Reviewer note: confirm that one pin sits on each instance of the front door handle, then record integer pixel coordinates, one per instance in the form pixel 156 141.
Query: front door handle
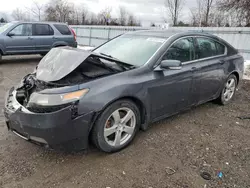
pixel 195 68
pixel 30 38
pixel 222 62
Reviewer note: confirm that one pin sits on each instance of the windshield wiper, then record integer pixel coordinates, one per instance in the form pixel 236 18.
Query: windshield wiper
pixel 123 65
pixel 107 55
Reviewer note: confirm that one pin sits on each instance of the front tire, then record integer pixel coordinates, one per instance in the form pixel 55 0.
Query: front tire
pixel 228 91
pixel 116 127
pixel 43 54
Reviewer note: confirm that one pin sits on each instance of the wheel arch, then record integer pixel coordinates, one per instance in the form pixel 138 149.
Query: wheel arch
pixel 141 106
pixel 235 73
pixel 58 44
pixel 1 51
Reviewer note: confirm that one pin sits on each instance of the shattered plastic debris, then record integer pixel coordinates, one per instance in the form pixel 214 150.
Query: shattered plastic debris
pixel 170 171
pixel 220 175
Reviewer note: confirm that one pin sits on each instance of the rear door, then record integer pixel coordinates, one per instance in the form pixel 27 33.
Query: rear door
pixel 20 40
pixel 65 36
pixel 43 35
pixel 208 70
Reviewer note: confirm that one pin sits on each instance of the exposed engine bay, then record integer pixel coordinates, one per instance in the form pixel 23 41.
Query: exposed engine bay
pixel 91 68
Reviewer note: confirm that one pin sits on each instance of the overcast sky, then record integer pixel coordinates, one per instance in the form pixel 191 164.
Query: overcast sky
pixel 145 10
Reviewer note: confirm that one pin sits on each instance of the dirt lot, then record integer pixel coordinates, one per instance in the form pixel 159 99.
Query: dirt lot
pixel 208 138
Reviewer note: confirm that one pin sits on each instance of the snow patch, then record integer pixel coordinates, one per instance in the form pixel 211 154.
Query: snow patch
pixel 87 48
pixel 247 70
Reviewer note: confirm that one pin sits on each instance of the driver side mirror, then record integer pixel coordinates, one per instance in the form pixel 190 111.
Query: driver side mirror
pixel 10 34
pixel 169 64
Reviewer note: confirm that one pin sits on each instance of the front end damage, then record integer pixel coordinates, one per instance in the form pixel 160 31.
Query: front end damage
pixel 57 130
pixel 43 108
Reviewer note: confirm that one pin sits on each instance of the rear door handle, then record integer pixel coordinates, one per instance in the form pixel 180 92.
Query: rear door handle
pixel 30 38
pixel 54 38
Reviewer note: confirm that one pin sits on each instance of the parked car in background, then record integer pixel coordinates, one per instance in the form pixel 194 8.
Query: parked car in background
pixel 17 38
pixel 122 86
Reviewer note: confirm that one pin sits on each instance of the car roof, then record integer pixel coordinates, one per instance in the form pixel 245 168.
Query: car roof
pixel 170 32
pixel 37 22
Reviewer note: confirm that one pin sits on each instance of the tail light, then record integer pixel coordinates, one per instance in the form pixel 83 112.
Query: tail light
pixel 74 33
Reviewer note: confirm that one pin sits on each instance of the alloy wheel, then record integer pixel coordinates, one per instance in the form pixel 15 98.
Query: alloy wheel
pixel 229 89
pixel 119 127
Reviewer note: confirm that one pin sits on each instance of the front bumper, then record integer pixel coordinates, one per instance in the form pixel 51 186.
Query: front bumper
pixel 58 130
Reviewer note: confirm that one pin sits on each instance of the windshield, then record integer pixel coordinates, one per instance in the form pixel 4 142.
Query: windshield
pixel 132 49
pixel 5 27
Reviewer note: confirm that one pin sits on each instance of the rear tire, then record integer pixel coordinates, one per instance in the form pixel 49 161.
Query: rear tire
pixel 228 91
pixel 116 127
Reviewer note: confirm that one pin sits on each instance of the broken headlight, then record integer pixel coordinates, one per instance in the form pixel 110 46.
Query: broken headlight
pixel 56 99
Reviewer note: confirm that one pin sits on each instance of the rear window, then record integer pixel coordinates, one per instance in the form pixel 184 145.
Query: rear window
pixel 43 29
pixel 63 29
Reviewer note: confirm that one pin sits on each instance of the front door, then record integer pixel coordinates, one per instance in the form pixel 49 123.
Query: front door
pixel 170 90
pixel 20 40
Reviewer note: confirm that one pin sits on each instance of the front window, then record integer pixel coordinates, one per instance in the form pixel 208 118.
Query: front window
pixel 182 50
pixel 132 49
pixel 22 30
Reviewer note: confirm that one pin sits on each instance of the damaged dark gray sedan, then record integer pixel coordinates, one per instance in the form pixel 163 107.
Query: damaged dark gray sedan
pixel 108 94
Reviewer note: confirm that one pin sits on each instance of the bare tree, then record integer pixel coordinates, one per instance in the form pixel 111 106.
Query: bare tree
pixel 20 15
pixel 58 10
pixel 36 9
pixel 201 14
pixel 218 17
pixel 240 8
pixel 194 17
pixel 123 14
pixel 105 15
pixel 93 20
pixel 208 5
pixel 200 8
pixel 174 8
pixel 131 20
pixel 84 13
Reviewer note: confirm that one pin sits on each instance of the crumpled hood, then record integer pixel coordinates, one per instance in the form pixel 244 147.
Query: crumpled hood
pixel 59 62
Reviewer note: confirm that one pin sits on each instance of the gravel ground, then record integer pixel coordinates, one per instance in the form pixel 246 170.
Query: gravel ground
pixel 209 138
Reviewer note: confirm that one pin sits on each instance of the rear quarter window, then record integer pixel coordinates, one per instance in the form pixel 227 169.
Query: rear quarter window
pixel 63 29
pixel 220 48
